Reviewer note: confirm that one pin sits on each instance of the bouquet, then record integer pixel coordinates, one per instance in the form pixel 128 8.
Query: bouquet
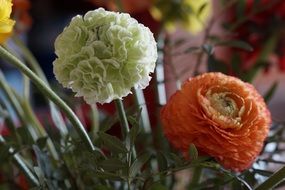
pixel 119 126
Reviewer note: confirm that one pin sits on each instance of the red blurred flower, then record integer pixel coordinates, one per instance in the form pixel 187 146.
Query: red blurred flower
pixel 263 20
pixel 4 131
pixel 223 116
pixel 21 15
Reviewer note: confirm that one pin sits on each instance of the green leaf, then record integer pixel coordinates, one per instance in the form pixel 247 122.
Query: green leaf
pixel 178 161
pixel 138 163
pixel 268 47
pixel 134 131
pixel 268 95
pixel 211 164
pixel 202 8
pixel 250 75
pixel 113 143
pixel 240 9
pixel 3 113
pixel 108 122
pixel 57 118
pixel 178 42
pixel 112 164
pixel 158 186
pixel 108 175
pixel 262 60
pixel 41 142
pixel 133 120
pixel 162 161
pixel 43 161
pixel 191 49
pixel 215 65
pixel 39 174
pixel 235 44
pixel 236 64
pixel 263 172
pixel 193 152
pixel 102 187
pixel 201 159
pixel 25 136
pixel 4 152
pixel 214 38
pixel 207 48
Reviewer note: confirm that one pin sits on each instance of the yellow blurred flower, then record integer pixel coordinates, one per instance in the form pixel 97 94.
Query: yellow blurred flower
pixel 191 14
pixel 6 24
pixel 128 6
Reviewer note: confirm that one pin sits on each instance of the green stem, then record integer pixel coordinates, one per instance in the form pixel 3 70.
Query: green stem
pixel 125 127
pixel 140 101
pixel 273 180
pixel 22 165
pixel 160 91
pixel 119 5
pixel 11 98
pixel 35 66
pixel 159 71
pixel 197 173
pixel 27 88
pixel 95 121
pixel 33 119
pixel 50 94
pixel 122 117
pixel 35 122
pixel 9 122
pixel 10 95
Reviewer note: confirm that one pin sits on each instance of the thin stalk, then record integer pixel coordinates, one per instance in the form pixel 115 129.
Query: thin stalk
pixel 9 122
pixel 22 165
pixel 197 173
pixel 11 98
pixel 26 116
pixel 27 88
pixel 50 94
pixel 140 101
pixel 35 122
pixel 29 114
pixel 273 180
pixel 124 123
pixel 160 91
pixel 201 54
pixel 119 5
pixel 35 66
pixel 95 121
pixel 145 121
pixel 122 117
pixel 8 92
pixel 169 61
pixel 159 71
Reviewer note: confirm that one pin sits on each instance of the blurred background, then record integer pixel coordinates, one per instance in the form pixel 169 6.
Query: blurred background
pixel 242 38
pixel 259 24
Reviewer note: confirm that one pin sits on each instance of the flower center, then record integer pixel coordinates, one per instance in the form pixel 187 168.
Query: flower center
pixel 223 104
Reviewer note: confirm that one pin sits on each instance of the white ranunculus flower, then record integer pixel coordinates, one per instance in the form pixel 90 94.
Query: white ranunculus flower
pixel 104 54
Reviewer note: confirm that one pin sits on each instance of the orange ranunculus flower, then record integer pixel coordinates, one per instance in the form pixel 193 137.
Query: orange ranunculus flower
pixel 223 116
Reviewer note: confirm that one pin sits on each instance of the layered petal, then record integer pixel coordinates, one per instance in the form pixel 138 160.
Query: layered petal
pixel 103 54
pixel 223 116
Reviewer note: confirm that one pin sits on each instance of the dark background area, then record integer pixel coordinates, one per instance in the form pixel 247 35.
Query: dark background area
pixel 49 19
